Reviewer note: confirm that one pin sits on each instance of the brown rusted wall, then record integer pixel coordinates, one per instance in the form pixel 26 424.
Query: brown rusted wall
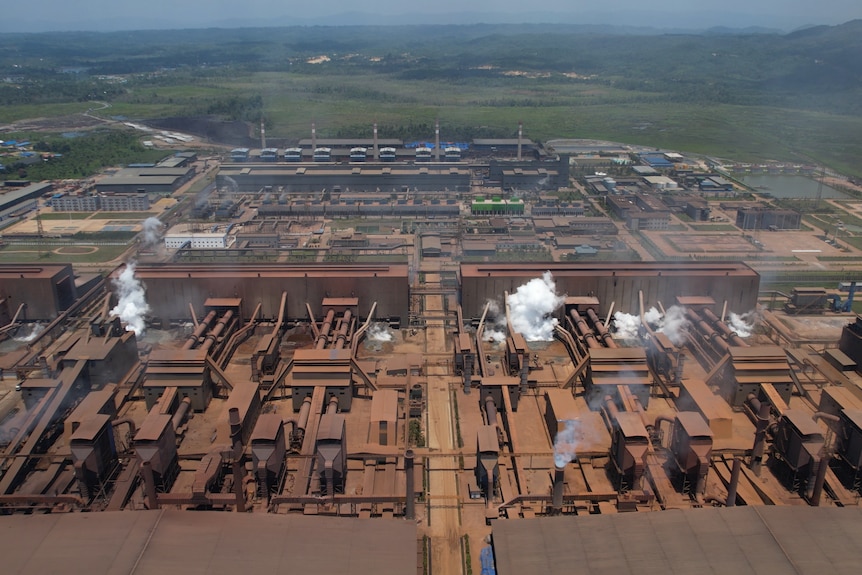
pixel 617 282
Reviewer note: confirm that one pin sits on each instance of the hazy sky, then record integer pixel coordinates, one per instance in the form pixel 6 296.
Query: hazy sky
pixel 128 14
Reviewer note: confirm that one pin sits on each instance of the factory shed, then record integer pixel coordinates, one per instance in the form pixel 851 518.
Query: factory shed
pixel 178 542
pixel 738 540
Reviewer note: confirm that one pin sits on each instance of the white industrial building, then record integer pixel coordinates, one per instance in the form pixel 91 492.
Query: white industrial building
pixel 199 240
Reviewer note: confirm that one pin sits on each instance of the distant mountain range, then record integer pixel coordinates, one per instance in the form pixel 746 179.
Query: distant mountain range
pixel 642 22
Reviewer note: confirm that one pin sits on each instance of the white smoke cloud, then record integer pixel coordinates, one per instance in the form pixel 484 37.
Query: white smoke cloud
pixel 743 324
pixel 531 305
pixel 132 305
pixel 379 332
pixel 673 324
pixel 27 333
pixel 495 324
pixel 152 230
pixel 626 325
pixel 566 443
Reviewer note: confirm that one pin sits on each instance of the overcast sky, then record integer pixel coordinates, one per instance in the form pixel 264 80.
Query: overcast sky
pixel 19 16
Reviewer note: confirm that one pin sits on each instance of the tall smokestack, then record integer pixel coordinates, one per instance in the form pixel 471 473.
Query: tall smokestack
pixel 410 503
pixel 313 138
pixel 262 135
pixel 376 151
pixel 559 482
pixel 437 140
pixel 520 136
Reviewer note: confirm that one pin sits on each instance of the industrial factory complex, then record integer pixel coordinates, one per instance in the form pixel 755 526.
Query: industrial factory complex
pixel 357 356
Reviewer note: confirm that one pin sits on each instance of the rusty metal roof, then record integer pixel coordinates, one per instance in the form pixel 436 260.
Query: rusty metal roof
pixel 631 425
pixel 171 542
pixel 90 427
pixel 486 439
pixel 267 427
pixel 384 405
pixel 605 269
pixel 802 421
pixel 694 424
pixel 153 427
pixel 177 271
pixel 768 540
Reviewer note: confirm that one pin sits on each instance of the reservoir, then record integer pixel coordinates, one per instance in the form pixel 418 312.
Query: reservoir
pixel 790 187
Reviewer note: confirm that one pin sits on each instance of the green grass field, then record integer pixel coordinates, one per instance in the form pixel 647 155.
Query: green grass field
pixel 47 254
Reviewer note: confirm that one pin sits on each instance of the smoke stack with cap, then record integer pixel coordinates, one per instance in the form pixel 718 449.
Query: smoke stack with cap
pixel 376 150
pixel 520 135
pixel 313 138
pixel 262 135
pixel 437 140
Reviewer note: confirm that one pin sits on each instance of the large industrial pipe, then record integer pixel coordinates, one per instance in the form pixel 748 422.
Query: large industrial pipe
pixel 410 503
pixel 304 411
pixel 734 482
pixel 149 485
pixel 182 410
pixel 201 328
pixel 333 405
pixel 342 331
pixel 127 421
pixel 324 330
pixel 559 483
pixel 707 332
pixel 731 335
pixel 217 331
pixel 586 333
pixel 490 410
pixel 603 332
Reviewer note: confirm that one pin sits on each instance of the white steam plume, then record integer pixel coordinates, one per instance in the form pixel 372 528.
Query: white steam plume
pixel 152 230
pixel 132 305
pixel 379 332
pixel 673 324
pixel 531 305
pixel 26 334
pixel 495 324
pixel 743 324
pixel 626 325
pixel 566 443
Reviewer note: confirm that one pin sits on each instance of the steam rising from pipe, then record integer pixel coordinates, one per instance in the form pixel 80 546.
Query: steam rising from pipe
pixel 743 324
pixel 153 228
pixel 673 324
pixel 530 308
pixel 565 444
pixel 132 305
pixel 495 324
pixel 26 334
pixel 379 332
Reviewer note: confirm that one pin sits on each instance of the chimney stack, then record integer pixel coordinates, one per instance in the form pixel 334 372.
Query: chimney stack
pixel 313 138
pixel 376 151
pixel 520 136
pixel 262 135
pixel 437 140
